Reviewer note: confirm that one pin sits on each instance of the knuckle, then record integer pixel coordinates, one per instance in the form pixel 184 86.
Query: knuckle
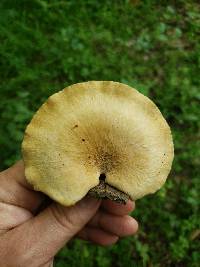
pixel 64 220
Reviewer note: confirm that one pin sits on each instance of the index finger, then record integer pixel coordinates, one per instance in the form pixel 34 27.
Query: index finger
pixel 16 172
pixel 118 209
pixel 15 190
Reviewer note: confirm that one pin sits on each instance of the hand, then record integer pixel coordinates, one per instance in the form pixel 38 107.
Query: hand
pixel 32 238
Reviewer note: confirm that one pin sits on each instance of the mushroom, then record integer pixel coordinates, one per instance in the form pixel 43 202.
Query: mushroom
pixel 101 138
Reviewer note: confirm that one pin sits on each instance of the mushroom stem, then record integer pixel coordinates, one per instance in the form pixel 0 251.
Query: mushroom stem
pixel 103 190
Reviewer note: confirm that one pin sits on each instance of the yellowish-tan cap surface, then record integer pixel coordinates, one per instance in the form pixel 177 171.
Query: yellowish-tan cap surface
pixel 92 128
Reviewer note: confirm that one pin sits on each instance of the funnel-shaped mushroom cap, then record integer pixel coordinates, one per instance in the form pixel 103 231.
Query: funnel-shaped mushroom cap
pixel 94 128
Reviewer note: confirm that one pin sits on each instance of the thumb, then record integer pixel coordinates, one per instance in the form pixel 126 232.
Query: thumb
pixel 52 228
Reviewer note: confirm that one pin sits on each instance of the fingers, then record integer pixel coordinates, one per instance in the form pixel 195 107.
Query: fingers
pixel 98 236
pixel 11 216
pixel 116 208
pixel 110 223
pixel 16 172
pixel 117 225
pixel 50 230
pixel 15 190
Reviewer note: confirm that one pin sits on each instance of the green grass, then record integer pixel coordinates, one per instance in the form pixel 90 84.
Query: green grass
pixel 151 45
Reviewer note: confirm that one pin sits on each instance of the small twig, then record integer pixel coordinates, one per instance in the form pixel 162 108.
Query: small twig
pixel 105 191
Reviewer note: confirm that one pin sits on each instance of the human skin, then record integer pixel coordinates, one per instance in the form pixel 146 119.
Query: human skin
pixel 31 236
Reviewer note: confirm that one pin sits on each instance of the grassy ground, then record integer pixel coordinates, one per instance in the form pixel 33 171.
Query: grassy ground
pixel 151 45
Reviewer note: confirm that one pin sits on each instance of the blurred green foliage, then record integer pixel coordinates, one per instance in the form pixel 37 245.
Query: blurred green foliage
pixel 152 45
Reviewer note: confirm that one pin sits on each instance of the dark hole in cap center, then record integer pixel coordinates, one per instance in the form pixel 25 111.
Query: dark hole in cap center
pixel 102 177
